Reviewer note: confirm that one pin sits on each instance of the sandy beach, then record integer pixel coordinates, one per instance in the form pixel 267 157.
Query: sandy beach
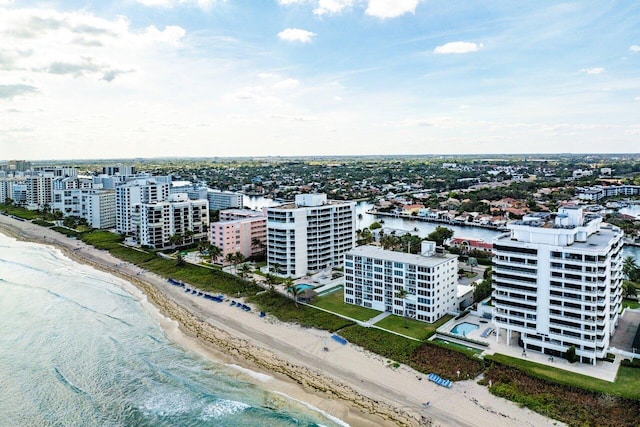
pixel 346 381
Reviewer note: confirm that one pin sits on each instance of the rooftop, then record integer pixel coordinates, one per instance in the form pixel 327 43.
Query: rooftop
pixel 407 258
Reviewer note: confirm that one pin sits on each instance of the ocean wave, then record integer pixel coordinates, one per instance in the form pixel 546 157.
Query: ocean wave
pixel 253 374
pixel 318 410
pixel 221 409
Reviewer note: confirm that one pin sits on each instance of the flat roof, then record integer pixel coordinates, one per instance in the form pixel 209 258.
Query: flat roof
pixel 387 255
pixel 596 241
pixel 292 205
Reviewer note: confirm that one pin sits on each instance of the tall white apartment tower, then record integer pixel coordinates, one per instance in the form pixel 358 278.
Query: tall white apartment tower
pixel 557 283
pixel 133 193
pixel 309 235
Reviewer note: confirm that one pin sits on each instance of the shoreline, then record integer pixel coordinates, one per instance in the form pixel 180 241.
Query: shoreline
pixel 289 360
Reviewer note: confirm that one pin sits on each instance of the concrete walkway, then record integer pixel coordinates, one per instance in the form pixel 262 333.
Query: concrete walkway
pixel 378 318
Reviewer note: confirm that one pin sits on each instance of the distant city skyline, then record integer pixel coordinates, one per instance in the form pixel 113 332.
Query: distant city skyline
pixel 240 78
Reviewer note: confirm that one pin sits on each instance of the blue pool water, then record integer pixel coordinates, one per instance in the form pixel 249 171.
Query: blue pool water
pixel 464 328
pixel 303 286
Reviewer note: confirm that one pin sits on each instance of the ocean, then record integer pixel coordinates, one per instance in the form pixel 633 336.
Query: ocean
pixel 77 349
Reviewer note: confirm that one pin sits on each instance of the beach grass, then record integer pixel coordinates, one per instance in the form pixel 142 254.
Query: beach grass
pixel 285 309
pixel 395 347
pixel 334 302
pixel 625 385
pixel 43 223
pixel 469 351
pixel 415 328
pixel 66 231
pixel 571 398
pixel 103 239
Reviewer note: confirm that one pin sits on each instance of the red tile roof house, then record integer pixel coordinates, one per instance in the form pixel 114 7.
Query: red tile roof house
pixel 466 245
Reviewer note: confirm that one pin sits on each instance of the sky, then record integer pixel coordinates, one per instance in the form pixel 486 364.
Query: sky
pixel 223 78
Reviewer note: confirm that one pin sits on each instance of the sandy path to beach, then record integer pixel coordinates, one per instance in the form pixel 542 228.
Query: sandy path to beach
pixel 346 381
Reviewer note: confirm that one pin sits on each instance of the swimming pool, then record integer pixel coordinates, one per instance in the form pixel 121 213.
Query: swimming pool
pixel 302 286
pixel 464 328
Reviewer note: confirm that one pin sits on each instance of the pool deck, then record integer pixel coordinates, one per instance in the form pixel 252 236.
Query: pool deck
pixel 603 370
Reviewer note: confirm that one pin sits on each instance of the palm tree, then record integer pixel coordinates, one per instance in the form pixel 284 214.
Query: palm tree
pixel 230 258
pixel 180 260
pixel 244 271
pixel 175 239
pixel 214 253
pixel 271 281
pixel 238 258
pixel 275 267
pixel 258 246
pixel 292 289
pixel 402 294
pixel 629 267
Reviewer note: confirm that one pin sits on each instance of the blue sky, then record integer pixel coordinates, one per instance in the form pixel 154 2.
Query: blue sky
pixel 149 78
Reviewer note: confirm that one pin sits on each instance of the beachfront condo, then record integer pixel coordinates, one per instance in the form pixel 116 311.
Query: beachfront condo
pixel 557 283
pixel 418 286
pixel 309 235
pixel 239 231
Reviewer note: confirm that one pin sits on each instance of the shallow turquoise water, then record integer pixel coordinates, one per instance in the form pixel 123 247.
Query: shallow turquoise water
pixel 464 328
pixel 76 349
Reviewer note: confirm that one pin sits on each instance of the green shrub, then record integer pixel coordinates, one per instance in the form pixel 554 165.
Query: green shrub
pixel 570 355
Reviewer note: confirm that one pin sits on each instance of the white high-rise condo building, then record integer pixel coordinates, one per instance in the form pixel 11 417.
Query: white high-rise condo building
pixel 375 278
pixel 39 191
pixel 309 235
pixel 97 206
pixel 135 192
pixel 156 222
pixel 557 283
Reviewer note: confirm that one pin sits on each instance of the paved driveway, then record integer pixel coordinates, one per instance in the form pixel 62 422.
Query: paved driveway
pixel 626 331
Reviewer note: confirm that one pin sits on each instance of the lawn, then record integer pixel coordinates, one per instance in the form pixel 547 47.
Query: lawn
pixel 20 212
pixel 626 384
pixel 628 303
pixel 334 302
pixel 415 328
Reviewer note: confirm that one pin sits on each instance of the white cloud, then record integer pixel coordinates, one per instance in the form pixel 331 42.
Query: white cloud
pixel 296 35
pixel 593 71
pixel 390 8
pixel 458 48
pixel 634 48
pixel 9 91
pixel 203 4
pixel 287 84
pixel 331 7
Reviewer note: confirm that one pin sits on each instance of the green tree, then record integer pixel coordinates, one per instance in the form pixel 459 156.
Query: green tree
pixel 570 355
pixel 630 268
pixel 180 260
pixel 482 291
pixel 292 289
pixel 375 225
pixel 214 253
pixel 271 282
pixel 402 294
pixel 244 271
pixel 440 234
pixel 629 289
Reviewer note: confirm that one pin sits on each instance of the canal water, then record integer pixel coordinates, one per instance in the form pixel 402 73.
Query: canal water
pixel 363 219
